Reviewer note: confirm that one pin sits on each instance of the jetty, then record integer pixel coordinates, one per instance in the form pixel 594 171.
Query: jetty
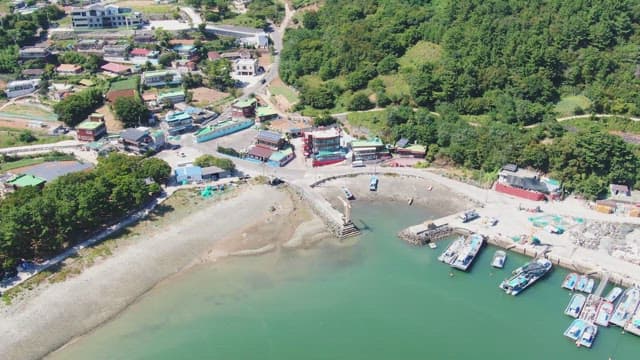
pixel 425 233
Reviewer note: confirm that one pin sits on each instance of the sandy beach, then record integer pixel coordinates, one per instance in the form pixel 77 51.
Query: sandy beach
pixel 252 220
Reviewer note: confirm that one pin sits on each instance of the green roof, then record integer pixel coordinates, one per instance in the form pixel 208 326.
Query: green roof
pixel 89 125
pixel 245 102
pixel 279 155
pixel 265 111
pixel 27 180
pixel 417 148
pixel 367 143
pixel 171 93
pixel 128 84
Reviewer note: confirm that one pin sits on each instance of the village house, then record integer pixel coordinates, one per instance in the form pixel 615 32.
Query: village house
pixel 32 74
pixel 367 150
pixel 526 184
pixel 245 67
pixel 188 174
pixel 141 140
pixel 140 52
pixel 30 53
pixel 323 146
pixel 266 113
pixel 213 55
pixel 69 69
pixel 98 16
pixel 116 51
pixel 244 108
pixel 199 116
pixel 90 46
pixel 270 139
pixel 259 153
pixel 404 149
pixel 171 97
pixel 619 190
pixel 214 173
pixel 92 129
pixel 116 69
pixel 281 158
pixel 161 78
pixel 21 87
pixel 234 55
pixel 178 122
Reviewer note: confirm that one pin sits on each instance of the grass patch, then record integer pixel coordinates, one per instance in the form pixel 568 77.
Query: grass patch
pixel 243 20
pixel 130 83
pixel 290 95
pixel 604 124
pixel 154 9
pixel 395 85
pixel 65 21
pixel 375 121
pixel 30 111
pixel 11 137
pixel 476 119
pixel 421 53
pixel 568 104
pixel 21 163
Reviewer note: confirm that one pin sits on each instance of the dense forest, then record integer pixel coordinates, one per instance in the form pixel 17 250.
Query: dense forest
pixel 496 56
pixel 489 68
pixel 37 223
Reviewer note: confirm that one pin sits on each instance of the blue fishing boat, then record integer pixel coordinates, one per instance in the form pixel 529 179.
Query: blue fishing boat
pixel 525 276
pixel 613 295
pixel 468 253
pixel 626 307
pixel 588 335
pixel 582 283
pixel 570 281
pixel 575 330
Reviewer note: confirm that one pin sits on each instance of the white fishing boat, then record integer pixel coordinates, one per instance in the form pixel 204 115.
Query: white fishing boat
pixel 613 295
pixel 451 254
pixel 574 331
pixel 467 254
pixel 604 313
pixel 499 259
pixel 575 305
pixel 570 281
pixel 588 336
pixel 626 307
pixel 432 245
pixel 591 283
pixel 348 194
pixel 525 276
pixel 582 283
pixel 590 309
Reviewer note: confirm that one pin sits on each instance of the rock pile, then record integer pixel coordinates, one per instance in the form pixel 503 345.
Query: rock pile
pixel 618 240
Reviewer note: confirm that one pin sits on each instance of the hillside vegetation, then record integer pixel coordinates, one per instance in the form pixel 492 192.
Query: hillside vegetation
pixel 489 68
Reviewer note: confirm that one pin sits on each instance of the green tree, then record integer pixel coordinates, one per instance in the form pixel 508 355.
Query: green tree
pixel 210 160
pixel 360 101
pixel 131 111
pixel 75 108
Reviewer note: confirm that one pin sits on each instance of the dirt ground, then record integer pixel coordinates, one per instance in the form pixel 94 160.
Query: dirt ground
pixel 203 96
pixel 265 59
pixel 113 124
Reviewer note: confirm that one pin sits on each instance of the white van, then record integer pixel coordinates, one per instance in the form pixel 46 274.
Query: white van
pixel 357 163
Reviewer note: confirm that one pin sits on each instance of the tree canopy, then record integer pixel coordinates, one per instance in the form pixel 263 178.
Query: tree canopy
pixel 131 111
pixel 74 109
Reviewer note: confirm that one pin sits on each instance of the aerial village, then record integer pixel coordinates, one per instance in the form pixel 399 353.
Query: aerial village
pixel 214 89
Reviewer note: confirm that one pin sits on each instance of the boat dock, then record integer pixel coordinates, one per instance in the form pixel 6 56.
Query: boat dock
pixel 425 233
pixel 604 280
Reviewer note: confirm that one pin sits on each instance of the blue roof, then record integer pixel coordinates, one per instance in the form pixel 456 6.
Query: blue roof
pixel 270 136
pixel 189 171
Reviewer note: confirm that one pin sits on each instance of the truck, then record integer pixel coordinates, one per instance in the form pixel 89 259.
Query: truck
pixel 468 216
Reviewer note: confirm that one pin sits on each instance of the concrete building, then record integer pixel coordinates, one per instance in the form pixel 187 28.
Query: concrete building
pixel 323 146
pixel 116 69
pixel 141 140
pixel 21 87
pixel 90 46
pixel 244 108
pixel 245 67
pixel 178 122
pixel 161 78
pixel 270 139
pixel 99 16
pixel 171 97
pixel 188 173
pixel 372 149
pixel 118 51
pixel 69 69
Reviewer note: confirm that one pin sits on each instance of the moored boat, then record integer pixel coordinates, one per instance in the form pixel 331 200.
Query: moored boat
pixel 348 194
pixel 468 253
pixel 582 283
pixel 570 281
pixel 525 276
pixel 451 254
pixel 604 313
pixel 499 259
pixel 591 283
pixel 574 331
pixel 590 309
pixel 613 295
pixel 626 307
pixel 432 245
pixel 575 305
pixel 588 335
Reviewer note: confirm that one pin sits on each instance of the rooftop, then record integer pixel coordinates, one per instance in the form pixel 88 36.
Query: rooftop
pixel 367 143
pixel 261 151
pixel 89 125
pixel 132 134
pixel 27 180
pixel 324 133
pixel 68 68
pixel 54 169
pixel 159 72
pixel 217 126
pixel 115 68
pixel 245 103
pixel 210 170
pixel 279 155
pixel 265 111
pixel 140 52
pixel 171 93
pixel 269 136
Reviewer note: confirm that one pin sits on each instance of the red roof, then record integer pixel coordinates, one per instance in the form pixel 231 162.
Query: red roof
pixel 115 68
pixel 140 52
pixel 260 151
pixel 115 94
pixel 213 55
pixel 149 96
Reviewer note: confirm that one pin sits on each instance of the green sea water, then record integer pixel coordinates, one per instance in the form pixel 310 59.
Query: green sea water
pixel 373 298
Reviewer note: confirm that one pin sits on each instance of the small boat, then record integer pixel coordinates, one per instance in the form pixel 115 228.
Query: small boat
pixel 575 305
pixel 582 283
pixel 633 326
pixel 591 283
pixel 588 335
pixel 432 245
pixel 590 309
pixel 410 202
pixel 451 254
pixel 570 281
pixel 373 183
pixel 574 331
pixel 525 276
pixel 498 259
pixel 604 313
pixel 613 294
pixel 626 307
pixel 468 253
pixel 348 194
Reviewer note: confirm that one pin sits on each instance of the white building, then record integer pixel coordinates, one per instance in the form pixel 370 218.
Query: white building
pixel 98 16
pixel 161 78
pixel 21 87
pixel 245 67
pixel 33 53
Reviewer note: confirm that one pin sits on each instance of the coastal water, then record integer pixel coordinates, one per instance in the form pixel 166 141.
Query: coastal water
pixel 374 298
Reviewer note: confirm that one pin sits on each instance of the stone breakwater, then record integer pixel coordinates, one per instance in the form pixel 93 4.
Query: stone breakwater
pixel 331 217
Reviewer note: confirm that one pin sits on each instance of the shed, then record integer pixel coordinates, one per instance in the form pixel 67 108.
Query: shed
pixel 26 180
pixel 213 172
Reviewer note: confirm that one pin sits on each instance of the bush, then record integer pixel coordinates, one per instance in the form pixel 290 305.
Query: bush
pixel 360 101
pixel 228 151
